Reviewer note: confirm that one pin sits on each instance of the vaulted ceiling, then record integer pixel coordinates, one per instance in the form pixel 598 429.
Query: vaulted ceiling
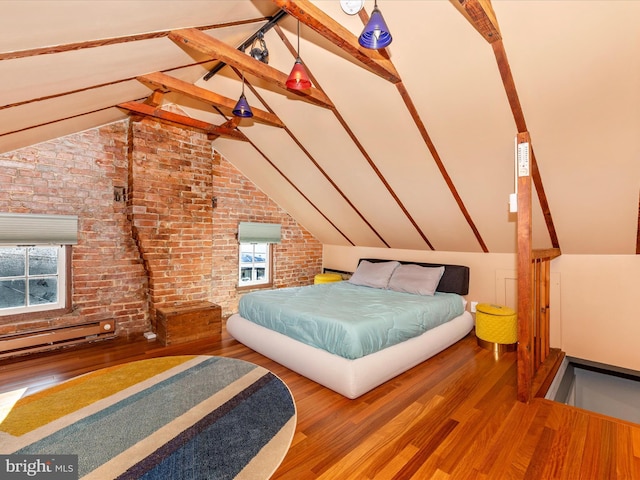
pixel 409 147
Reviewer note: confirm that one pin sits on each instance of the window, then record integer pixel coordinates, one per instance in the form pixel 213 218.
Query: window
pixel 35 264
pixel 255 264
pixel 32 279
pixel 255 252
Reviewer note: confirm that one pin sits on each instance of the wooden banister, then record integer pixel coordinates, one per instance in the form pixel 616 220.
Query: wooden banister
pixel 534 271
pixel 545 254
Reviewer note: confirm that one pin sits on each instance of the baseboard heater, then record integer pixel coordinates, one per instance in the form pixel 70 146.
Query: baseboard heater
pixel 39 340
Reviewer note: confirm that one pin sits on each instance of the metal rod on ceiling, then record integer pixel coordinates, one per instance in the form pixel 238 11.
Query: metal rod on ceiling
pixel 247 43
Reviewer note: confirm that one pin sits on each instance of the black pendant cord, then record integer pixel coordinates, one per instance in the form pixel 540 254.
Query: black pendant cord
pixel 298 39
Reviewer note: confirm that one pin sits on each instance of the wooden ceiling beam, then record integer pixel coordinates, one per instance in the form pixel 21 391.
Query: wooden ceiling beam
pixel 509 85
pixel 320 22
pixel 164 82
pixel 183 120
pixel 103 42
pixel 638 234
pixel 404 93
pixel 480 14
pixel 219 50
pixel 521 125
pixel 155 99
pixel 232 123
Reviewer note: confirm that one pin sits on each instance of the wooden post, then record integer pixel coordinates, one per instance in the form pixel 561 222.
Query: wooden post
pixel 545 327
pixel 535 310
pixel 525 270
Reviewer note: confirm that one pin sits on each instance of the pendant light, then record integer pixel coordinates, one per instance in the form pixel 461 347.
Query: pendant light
pixel 376 33
pixel 298 78
pixel 242 108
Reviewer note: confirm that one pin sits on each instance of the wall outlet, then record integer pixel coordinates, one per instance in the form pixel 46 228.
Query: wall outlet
pixel 473 307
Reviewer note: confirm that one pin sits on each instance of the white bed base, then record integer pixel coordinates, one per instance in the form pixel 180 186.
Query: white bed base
pixel 350 378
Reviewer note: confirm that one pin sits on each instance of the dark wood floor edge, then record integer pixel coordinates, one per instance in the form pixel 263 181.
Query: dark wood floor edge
pixel 547 372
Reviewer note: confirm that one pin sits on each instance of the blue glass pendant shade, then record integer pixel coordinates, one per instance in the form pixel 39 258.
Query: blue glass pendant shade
pixel 242 108
pixel 376 33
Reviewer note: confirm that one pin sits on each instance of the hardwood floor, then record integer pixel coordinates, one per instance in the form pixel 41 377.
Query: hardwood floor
pixel 452 417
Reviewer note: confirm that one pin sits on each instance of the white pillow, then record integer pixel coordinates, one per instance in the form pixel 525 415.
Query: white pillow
pixel 416 279
pixel 376 275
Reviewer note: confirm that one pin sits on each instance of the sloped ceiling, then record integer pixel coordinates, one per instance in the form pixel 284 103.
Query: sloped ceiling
pixel 424 161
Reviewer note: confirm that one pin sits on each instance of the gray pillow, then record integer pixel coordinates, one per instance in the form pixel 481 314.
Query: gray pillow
pixel 376 275
pixel 416 279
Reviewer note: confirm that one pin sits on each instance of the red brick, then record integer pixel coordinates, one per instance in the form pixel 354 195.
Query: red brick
pixel 167 244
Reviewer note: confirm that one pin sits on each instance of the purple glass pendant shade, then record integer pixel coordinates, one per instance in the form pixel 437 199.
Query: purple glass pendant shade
pixel 376 33
pixel 242 108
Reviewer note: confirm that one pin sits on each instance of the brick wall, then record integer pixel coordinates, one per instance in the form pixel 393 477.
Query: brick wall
pixel 296 259
pixel 170 200
pixel 76 175
pixel 167 244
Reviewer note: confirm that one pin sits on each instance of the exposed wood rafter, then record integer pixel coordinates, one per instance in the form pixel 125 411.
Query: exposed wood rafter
pixel 638 234
pixel 183 121
pixel 155 99
pixel 367 157
pixel 439 163
pixel 68 47
pixel 300 192
pixel 518 115
pixel 509 85
pixel 219 50
pixel 320 22
pixel 166 83
pixel 481 16
pixel 417 120
pixel 319 168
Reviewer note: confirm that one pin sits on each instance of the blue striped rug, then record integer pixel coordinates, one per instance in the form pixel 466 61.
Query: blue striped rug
pixel 198 418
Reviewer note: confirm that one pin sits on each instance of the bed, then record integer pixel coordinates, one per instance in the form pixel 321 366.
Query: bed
pixel 396 298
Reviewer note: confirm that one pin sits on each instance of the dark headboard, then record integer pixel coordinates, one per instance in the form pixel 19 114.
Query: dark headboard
pixel 455 278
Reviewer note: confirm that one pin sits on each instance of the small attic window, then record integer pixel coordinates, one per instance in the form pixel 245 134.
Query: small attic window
pixel 35 263
pixel 255 257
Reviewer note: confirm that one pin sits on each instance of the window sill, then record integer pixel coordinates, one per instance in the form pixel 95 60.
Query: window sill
pixel 262 286
pixel 41 315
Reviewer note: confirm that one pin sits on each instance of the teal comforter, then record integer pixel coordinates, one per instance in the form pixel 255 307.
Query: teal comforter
pixel 348 320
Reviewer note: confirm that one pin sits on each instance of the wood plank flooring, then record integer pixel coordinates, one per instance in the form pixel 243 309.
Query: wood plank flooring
pixel 452 417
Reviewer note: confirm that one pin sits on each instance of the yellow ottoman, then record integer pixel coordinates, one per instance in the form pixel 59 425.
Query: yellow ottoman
pixel 496 327
pixel 327 278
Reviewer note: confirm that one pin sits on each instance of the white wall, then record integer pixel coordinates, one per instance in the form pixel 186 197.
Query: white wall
pixel 483 267
pixel 594 298
pixel 600 318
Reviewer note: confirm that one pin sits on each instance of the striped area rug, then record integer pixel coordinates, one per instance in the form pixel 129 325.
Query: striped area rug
pixel 183 417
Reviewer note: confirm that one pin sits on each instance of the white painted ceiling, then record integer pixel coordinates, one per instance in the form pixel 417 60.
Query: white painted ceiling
pixel 362 174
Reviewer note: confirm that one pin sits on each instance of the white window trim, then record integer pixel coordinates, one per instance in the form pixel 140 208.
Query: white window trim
pixel 268 268
pixel 62 287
